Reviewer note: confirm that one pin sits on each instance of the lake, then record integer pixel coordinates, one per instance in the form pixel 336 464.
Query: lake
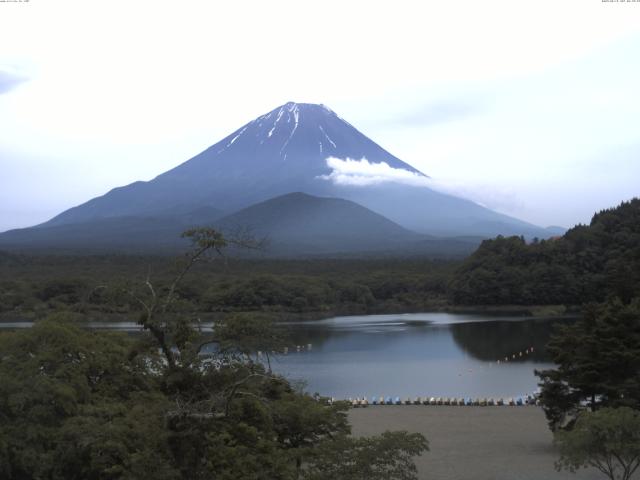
pixel 424 354
pixel 418 354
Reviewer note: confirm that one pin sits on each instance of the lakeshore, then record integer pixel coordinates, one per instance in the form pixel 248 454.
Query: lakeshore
pixel 474 443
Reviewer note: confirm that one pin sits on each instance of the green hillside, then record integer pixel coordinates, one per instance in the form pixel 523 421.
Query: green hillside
pixel 588 263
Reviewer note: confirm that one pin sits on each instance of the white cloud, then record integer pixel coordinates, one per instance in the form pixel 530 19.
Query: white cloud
pixel 362 172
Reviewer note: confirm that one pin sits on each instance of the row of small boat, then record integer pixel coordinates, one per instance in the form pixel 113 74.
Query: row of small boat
pixel 482 402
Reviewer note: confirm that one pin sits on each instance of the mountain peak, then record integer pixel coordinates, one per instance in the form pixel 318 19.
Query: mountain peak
pixel 305 106
pixel 295 108
pixel 284 150
pixel 297 147
pixel 303 148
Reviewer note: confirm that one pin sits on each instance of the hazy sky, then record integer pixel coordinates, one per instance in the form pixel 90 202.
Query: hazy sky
pixel 529 107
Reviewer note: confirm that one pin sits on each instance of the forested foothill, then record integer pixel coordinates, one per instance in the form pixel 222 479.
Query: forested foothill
pixel 588 264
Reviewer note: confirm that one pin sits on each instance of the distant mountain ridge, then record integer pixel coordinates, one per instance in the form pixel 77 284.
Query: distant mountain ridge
pixel 283 151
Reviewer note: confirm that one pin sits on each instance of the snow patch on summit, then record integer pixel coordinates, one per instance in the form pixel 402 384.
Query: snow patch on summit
pixel 296 117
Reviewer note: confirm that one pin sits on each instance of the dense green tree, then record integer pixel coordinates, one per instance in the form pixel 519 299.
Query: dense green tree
pixel 302 288
pixel 73 407
pixel 389 455
pixel 301 423
pixel 78 404
pixel 598 362
pixel 587 264
pixel 608 440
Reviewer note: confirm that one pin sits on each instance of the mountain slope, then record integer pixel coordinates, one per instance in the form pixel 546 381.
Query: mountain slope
pixel 293 225
pixel 122 234
pixel 280 152
pixel 287 150
pixel 294 148
pixel 318 225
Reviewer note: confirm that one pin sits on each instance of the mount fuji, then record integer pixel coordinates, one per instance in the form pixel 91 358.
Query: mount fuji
pixel 297 147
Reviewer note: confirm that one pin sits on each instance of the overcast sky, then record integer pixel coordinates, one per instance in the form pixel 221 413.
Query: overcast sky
pixel 531 108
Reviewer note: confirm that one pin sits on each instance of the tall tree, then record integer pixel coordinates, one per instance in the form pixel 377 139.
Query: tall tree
pixel 608 440
pixel 389 455
pixel 598 360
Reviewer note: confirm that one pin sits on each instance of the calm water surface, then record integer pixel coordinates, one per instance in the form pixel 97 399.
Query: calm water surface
pixel 434 354
pixel 422 354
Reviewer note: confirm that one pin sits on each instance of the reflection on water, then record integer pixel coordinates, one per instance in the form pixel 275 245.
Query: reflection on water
pixel 434 354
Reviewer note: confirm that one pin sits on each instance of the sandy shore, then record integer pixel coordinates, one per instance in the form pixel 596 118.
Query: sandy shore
pixel 473 443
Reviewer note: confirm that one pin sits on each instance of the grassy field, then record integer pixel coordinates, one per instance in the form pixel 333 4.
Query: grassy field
pixel 473 443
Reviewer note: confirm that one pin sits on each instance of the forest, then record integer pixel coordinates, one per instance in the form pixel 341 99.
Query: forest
pixel 97 285
pixel 588 264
